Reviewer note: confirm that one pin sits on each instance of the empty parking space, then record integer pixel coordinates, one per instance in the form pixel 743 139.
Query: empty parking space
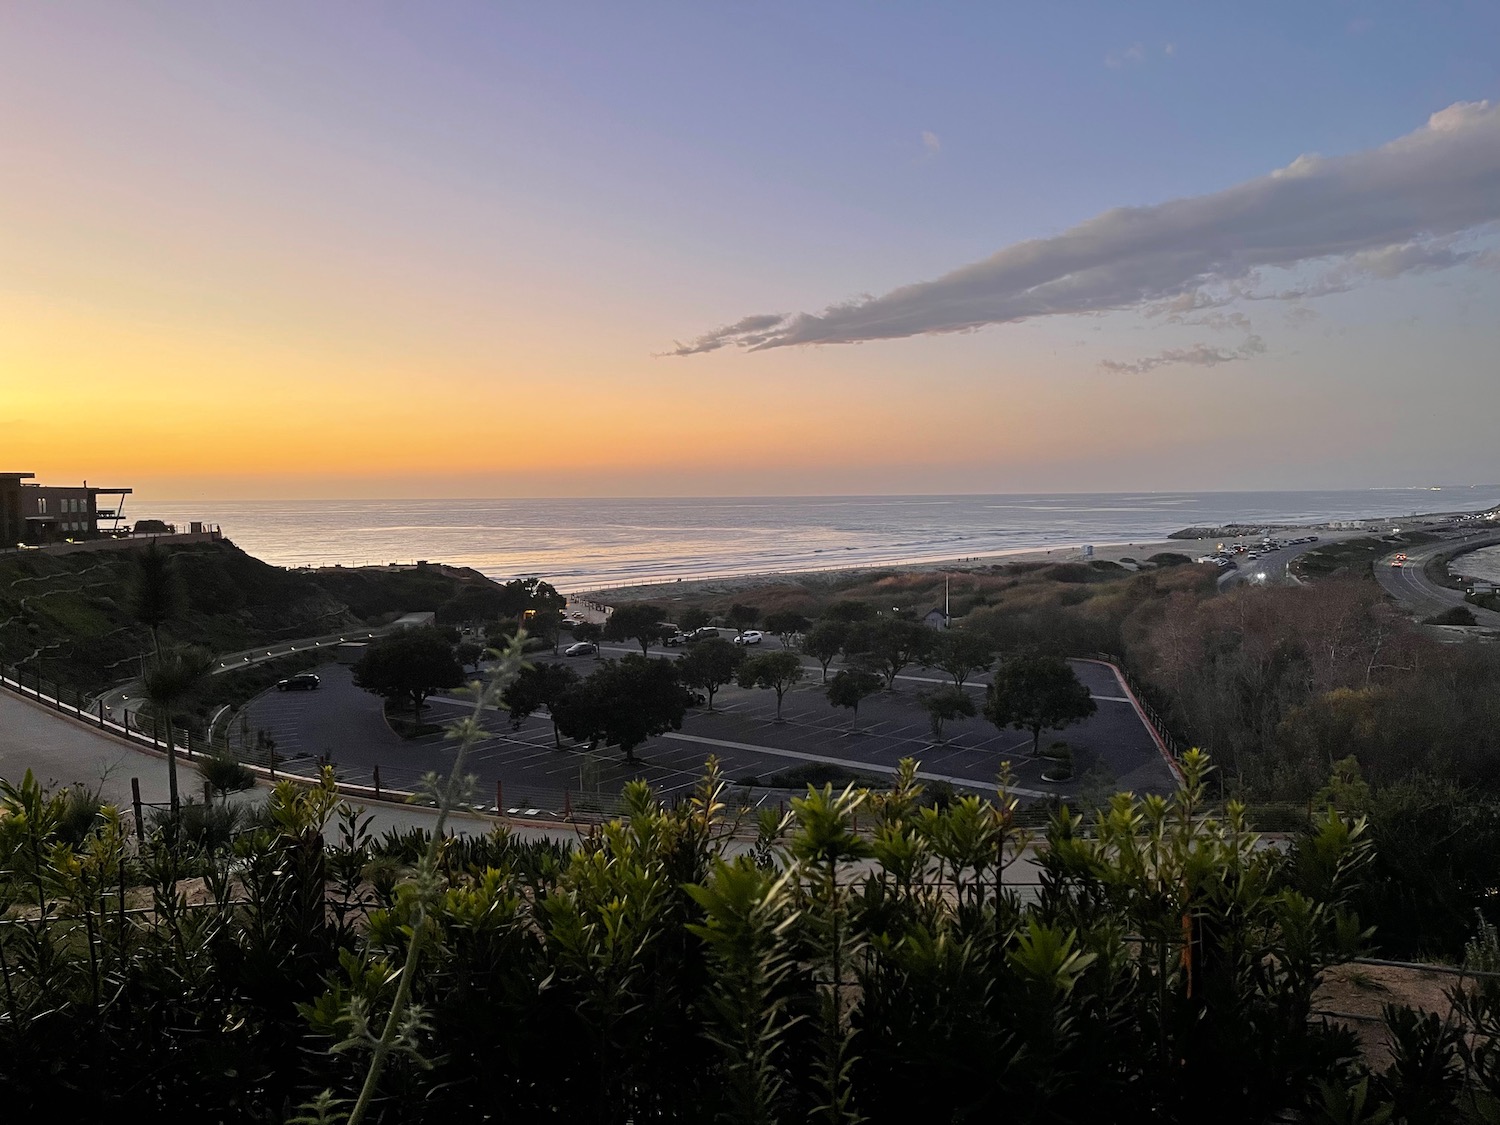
pixel 1113 747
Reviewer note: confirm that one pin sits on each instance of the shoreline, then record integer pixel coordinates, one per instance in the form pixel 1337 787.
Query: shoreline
pixel 1115 552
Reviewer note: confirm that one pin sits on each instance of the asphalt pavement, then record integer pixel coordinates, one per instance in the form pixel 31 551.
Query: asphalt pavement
pixel 1114 747
pixel 123 700
pixel 61 750
pixel 1410 586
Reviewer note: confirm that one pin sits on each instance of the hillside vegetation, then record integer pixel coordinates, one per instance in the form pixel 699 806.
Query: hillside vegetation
pixel 1280 683
pixel 68 617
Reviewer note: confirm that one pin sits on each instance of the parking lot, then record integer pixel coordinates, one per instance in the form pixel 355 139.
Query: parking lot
pixel 1112 748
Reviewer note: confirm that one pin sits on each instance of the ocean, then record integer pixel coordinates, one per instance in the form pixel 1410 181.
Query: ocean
pixel 583 545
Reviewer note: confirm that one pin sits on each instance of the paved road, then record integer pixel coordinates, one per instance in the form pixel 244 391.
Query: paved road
pixel 1271 567
pixel 345 723
pixel 1410 585
pixel 126 699
pixel 63 751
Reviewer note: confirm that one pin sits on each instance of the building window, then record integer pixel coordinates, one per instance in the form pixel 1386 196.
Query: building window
pixel 41 505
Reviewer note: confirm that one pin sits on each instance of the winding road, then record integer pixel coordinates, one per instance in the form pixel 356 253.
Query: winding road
pixel 1410 585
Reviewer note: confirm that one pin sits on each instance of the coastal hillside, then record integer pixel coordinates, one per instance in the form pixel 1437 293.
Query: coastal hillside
pixel 68 618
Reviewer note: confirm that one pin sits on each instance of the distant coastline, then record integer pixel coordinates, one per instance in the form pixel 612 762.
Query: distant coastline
pixel 581 545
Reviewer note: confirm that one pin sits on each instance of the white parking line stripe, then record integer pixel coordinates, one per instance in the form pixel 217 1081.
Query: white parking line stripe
pixel 776 753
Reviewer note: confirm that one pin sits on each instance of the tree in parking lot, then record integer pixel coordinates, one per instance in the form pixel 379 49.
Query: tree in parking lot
pixel 623 703
pixel 693 618
pixel 786 626
pixel 636 621
pixel 546 624
pixel 1037 693
pixel 944 705
pixel 824 641
pixel 851 687
pixel 710 664
pixel 408 666
pixel 778 671
pixel 961 654
pixel 589 631
pixel 469 653
pixel 741 617
pixel 538 688
pixel 889 645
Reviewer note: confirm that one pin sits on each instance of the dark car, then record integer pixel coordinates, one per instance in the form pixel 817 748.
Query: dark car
pixel 582 648
pixel 302 681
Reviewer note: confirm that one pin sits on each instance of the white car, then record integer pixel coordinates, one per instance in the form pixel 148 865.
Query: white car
pixel 748 637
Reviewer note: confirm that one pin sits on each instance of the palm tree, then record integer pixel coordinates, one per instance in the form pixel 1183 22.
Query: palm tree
pixel 170 680
pixel 156 592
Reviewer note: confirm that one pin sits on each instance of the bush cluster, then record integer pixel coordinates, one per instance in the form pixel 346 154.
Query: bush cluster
pixel 1157 961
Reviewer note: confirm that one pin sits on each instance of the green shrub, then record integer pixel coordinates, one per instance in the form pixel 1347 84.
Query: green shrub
pixel 867 957
pixel 1454 615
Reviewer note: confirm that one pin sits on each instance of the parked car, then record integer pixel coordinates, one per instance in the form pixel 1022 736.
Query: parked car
pixel 302 681
pixel 748 637
pixel 674 639
pixel 703 634
pixel 581 648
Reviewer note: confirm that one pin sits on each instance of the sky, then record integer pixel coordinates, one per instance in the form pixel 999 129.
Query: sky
pixel 255 250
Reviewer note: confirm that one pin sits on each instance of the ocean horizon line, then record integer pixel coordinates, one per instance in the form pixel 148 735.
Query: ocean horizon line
pixel 584 544
pixel 732 496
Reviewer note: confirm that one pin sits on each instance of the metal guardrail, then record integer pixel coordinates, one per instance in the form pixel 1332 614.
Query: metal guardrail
pixel 1159 724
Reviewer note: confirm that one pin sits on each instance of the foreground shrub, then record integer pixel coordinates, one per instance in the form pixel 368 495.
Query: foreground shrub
pixel 665 968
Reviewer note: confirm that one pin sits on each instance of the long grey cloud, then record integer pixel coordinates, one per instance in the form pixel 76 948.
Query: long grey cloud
pixel 1376 213
pixel 1197 355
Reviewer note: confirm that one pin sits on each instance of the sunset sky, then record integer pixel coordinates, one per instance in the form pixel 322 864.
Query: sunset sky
pixel 487 249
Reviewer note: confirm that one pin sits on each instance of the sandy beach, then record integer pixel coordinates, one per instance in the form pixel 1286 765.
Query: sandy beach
pixel 1126 554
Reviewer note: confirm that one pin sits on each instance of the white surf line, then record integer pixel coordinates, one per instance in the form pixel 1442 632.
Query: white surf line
pixel 797 754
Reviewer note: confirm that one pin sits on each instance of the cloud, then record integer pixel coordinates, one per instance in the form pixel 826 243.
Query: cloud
pixel 1221 321
pixel 747 333
pixel 931 142
pixel 1198 355
pixel 1133 55
pixel 1382 212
